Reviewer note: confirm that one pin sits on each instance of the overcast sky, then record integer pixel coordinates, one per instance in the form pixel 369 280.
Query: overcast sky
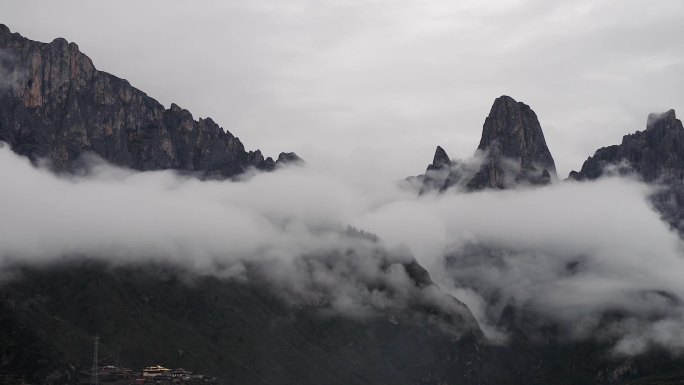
pixel 385 81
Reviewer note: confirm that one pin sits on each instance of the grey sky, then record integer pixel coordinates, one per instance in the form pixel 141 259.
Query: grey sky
pixel 381 83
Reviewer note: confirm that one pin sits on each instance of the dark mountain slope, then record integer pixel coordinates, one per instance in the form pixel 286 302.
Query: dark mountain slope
pixel 243 333
pixel 240 332
pixel 55 105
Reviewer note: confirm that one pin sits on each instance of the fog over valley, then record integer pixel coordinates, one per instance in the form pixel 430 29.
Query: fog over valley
pixel 571 251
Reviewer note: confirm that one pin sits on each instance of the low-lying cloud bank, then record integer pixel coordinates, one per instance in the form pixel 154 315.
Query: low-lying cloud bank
pixel 570 253
pixel 288 229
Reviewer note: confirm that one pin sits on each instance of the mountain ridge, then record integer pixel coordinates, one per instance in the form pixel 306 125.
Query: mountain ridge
pixel 56 106
pixel 655 156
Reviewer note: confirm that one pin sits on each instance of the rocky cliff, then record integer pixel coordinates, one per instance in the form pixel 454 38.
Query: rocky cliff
pixel 55 105
pixel 655 155
pixel 512 151
pixel 514 147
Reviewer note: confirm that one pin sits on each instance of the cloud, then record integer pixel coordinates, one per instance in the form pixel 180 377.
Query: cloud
pixel 287 230
pixel 573 253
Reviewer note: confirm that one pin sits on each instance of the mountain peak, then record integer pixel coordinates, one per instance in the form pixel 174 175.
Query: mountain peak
pixel 655 117
pixel 512 151
pixel 512 131
pixel 513 147
pixel 440 159
pixel 503 101
pixel 289 158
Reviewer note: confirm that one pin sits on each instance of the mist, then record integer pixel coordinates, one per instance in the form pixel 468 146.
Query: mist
pixel 570 252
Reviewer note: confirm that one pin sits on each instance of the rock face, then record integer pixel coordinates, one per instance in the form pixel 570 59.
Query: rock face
pixel 514 147
pixel 512 151
pixel 440 161
pixel 655 155
pixel 437 172
pixel 55 105
pixel 289 157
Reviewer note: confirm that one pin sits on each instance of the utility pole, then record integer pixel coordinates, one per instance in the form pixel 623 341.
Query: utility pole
pixel 95 380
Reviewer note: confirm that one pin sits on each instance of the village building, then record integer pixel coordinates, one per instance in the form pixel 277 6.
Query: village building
pixel 181 373
pixel 156 370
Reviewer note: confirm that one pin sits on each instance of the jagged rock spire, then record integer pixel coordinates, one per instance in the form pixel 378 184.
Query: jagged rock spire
pixel 512 151
pixel 440 160
pixel 514 148
pixel 512 131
